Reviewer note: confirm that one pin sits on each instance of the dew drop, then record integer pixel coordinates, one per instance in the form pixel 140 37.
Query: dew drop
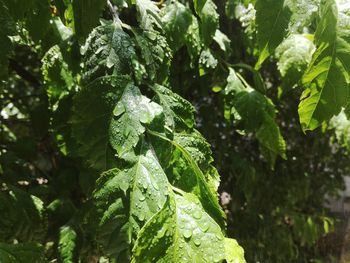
pixel 219 237
pixel 197 214
pixel 197 242
pixel 204 226
pixel 187 233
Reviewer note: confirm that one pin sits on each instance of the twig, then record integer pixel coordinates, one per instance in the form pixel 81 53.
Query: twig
pixel 113 10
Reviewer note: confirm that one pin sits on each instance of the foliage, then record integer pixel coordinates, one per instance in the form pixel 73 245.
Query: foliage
pixel 104 107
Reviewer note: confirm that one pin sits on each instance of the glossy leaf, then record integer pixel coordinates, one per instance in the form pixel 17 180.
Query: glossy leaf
pixel 181 231
pixel 127 199
pixel 131 114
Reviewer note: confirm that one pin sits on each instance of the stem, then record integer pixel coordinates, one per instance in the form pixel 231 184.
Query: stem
pixel 113 10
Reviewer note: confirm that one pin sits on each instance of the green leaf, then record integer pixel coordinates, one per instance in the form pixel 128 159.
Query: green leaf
pixel 86 15
pixel 7 28
pixel 294 55
pixel 199 4
pixel 108 50
pixel 257 114
pixel 22 252
pixel 193 41
pixel 148 14
pixel 178 111
pixel 67 244
pixel 272 19
pixel 176 19
pixel 189 176
pixel 341 125
pixel 327 78
pixel 303 14
pixel 234 252
pixel 131 114
pixel 222 40
pixel 199 150
pixel 26 212
pixel 127 199
pixel 92 114
pixel 209 21
pixel 182 231
pixel 57 75
pixel 155 54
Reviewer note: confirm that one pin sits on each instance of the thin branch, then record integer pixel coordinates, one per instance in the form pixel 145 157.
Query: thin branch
pixel 113 10
pixel 23 73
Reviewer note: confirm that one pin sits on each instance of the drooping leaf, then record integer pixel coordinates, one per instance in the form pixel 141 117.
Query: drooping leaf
pixel 327 78
pixel 182 231
pixel 257 114
pixel 22 252
pixel 127 199
pixel 272 19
